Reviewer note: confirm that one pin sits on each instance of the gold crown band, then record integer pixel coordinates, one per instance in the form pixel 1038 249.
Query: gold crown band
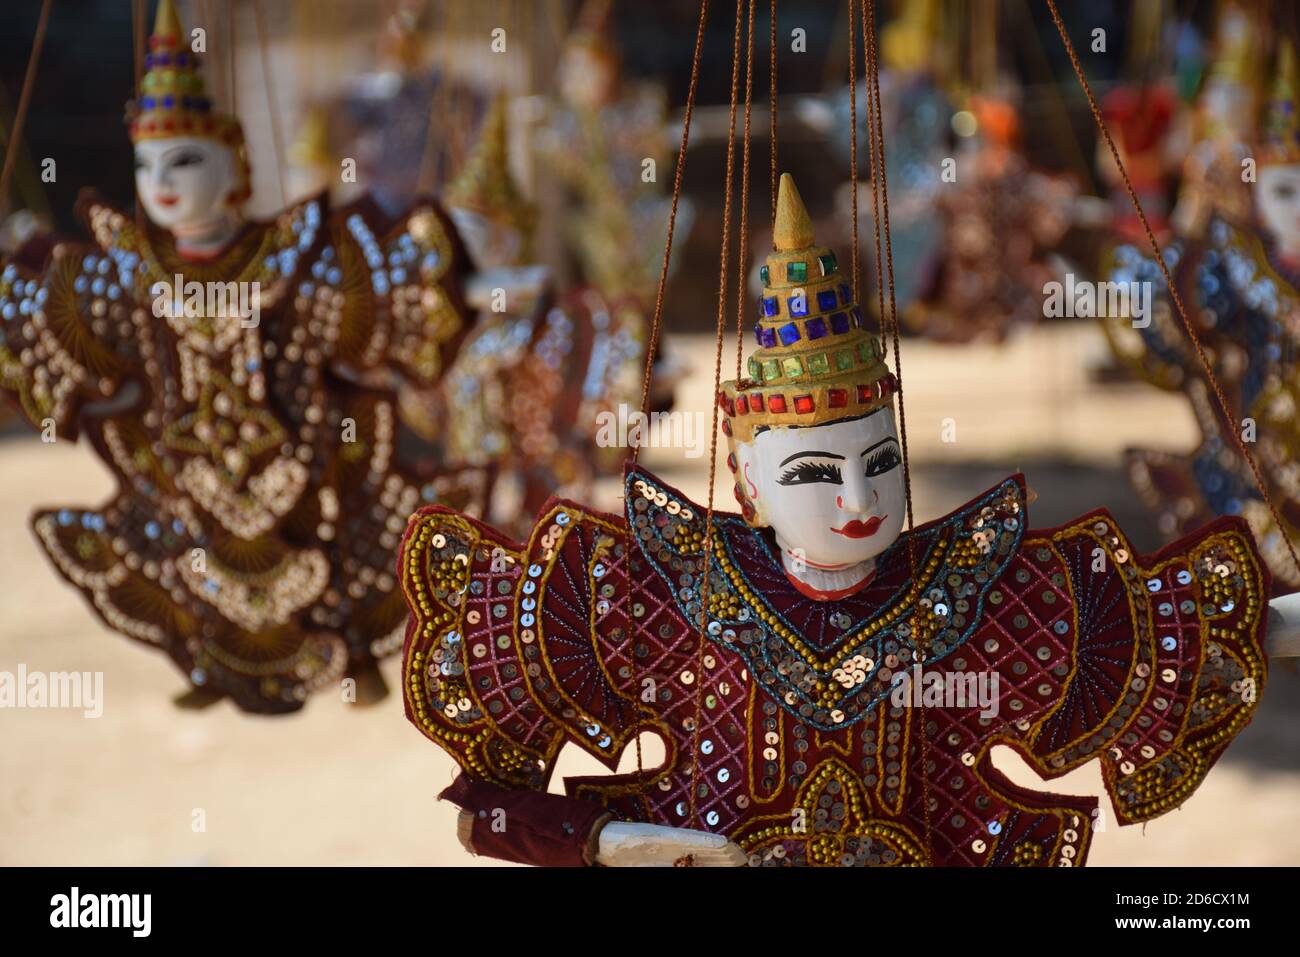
pixel 816 361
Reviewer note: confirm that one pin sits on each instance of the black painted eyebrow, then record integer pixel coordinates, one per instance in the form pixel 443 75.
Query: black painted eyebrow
pixel 888 438
pixel 174 151
pixel 823 455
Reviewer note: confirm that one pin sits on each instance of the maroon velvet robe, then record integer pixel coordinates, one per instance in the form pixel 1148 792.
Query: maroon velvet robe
pixel 784 731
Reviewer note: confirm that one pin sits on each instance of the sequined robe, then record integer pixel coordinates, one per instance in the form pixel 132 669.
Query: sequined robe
pixel 527 391
pixel 999 221
pixel 260 498
pixel 1246 313
pixel 783 724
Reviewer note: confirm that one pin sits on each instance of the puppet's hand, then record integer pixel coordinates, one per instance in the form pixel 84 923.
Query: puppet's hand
pixel 1282 639
pixel 623 844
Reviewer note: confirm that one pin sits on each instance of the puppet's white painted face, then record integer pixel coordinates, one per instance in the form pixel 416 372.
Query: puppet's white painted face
pixel 587 79
pixel 1278 203
pixel 186 181
pixel 832 493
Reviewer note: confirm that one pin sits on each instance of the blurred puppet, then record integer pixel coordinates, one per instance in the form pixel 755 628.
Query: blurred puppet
pixel 239 379
pixel 1236 264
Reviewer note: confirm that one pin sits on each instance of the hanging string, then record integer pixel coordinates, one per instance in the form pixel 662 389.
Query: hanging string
pixel 137 37
pixel 653 345
pixel 272 109
pixel 742 278
pixel 656 318
pixel 772 112
pixel 853 139
pixel 24 103
pixel 890 323
pixel 873 111
pixel 706 559
pixel 869 16
pixel 230 42
pixel 1173 289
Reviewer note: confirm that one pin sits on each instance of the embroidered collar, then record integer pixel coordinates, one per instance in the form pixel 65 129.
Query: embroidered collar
pixel 829 662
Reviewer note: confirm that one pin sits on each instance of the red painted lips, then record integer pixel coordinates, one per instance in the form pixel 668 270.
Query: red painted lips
pixel 856 529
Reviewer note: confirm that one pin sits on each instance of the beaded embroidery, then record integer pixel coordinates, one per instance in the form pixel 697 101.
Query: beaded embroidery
pixel 832 680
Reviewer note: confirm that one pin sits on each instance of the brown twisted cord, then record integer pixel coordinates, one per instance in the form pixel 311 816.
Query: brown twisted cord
pixel 884 192
pixel 24 103
pixel 869 16
pixel 707 555
pixel 772 110
pixel 873 111
pixel 657 316
pixel 271 108
pixel 137 37
pixel 655 327
pixel 853 139
pixel 230 42
pixel 878 141
pixel 742 278
pixel 1169 281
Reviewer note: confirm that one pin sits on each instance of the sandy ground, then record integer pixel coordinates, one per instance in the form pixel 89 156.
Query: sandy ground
pixel 147 783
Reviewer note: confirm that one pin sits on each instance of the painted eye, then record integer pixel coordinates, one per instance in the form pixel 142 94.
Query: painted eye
pixel 1284 191
pixel 883 460
pixel 806 473
pixel 192 158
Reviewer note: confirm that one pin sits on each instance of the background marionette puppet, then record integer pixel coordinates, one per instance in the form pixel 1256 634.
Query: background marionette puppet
pixel 765 650
pixel 1236 271
pixel 239 379
pixel 998 221
pixel 406 124
pixel 525 389
pixel 597 136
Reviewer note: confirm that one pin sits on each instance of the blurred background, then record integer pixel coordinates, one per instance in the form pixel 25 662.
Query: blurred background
pixel 994 383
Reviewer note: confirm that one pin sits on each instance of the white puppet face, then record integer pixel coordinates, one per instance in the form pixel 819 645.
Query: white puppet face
pixel 832 493
pixel 185 181
pixel 1278 203
pixel 587 79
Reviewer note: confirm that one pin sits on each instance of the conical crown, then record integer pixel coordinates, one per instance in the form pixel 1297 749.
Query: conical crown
pixel 1280 131
pixel 484 185
pixel 173 101
pixel 816 361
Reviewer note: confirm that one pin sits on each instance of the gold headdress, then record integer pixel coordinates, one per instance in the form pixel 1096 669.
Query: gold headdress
pixel 816 361
pixel 1280 129
pixel 485 186
pixel 173 101
pixel 172 98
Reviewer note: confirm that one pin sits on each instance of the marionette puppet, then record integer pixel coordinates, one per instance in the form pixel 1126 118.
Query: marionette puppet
pixel 814 673
pixel 598 136
pixel 1236 274
pixel 239 379
pixel 527 385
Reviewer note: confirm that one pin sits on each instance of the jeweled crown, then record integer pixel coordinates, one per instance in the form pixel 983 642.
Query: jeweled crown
pixel 1280 129
pixel 816 360
pixel 173 101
